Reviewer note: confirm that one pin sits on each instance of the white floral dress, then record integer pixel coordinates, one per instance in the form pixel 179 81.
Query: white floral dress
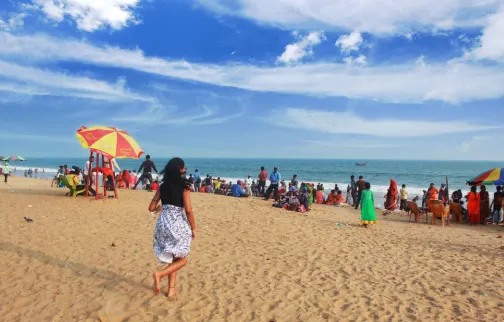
pixel 173 235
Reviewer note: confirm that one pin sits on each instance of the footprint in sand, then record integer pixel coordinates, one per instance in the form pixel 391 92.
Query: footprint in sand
pixel 113 311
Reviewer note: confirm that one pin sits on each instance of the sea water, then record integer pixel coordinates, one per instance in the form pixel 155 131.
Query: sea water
pixel 417 175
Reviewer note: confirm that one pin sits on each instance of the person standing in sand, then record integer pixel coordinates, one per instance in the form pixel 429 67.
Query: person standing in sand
pixel 353 190
pixel 263 175
pixel 147 166
pixel 368 214
pixel 473 206
pixel 175 227
pixel 484 205
pixel 391 197
pixel 432 194
pixel 274 178
pixel 361 185
pixel 6 171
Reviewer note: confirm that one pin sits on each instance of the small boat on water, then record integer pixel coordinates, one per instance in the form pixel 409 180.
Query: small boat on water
pixel 360 164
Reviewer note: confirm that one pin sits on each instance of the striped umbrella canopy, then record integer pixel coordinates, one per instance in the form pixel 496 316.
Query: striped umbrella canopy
pixel 110 141
pixel 490 177
pixel 14 158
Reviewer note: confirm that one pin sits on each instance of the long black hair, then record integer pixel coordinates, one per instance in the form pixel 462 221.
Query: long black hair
pixel 172 177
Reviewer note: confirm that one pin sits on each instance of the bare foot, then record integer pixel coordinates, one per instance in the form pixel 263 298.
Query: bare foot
pixel 172 293
pixel 155 284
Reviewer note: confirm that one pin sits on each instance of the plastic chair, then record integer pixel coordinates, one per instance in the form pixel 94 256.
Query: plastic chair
pixel 73 189
pixel 456 210
pixel 413 209
pixel 439 210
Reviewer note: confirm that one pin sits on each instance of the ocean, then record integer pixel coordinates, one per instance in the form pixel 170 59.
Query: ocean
pixel 417 175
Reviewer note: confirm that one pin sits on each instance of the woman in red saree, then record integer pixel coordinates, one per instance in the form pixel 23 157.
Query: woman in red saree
pixel 391 197
pixel 484 205
pixel 473 206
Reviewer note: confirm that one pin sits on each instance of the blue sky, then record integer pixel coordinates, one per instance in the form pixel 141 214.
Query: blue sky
pixel 256 78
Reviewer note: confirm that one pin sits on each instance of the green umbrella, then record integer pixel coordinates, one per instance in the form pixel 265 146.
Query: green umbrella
pixel 14 158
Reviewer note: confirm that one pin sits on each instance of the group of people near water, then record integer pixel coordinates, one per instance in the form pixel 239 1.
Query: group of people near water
pixel 479 209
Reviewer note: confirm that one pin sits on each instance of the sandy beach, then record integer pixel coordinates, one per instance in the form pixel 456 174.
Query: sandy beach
pixel 87 260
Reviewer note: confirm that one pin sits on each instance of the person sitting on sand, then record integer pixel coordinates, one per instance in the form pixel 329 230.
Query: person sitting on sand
pixel 217 185
pixel 255 190
pixel 146 184
pixel 73 179
pixel 340 199
pixel 293 201
pixel 368 214
pixel 237 190
pixel 331 198
pixel 155 185
pixel 319 196
pixel 304 199
pixel 175 227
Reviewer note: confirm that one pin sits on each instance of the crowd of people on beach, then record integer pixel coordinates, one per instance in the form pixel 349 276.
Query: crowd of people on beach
pixel 479 210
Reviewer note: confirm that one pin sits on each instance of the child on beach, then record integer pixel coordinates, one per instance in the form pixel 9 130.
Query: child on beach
pixel 175 227
pixel 368 214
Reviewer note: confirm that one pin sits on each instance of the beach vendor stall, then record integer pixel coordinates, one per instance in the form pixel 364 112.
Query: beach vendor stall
pixel 105 144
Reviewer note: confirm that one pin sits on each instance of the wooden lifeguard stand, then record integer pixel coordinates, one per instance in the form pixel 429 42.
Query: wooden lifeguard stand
pixel 104 166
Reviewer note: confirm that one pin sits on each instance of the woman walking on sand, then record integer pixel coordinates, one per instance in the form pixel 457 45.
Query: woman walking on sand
pixel 368 214
pixel 175 227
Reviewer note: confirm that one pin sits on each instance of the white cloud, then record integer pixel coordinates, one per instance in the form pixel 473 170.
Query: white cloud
pixel 20 136
pixel 36 81
pixel 13 22
pixel 90 15
pixel 349 43
pixel 421 61
pixel 361 60
pixel 372 16
pixel 296 51
pixel 351 144
pixel 348 123
pixel 453 82
pixel 158 114
pixel 491 42
pixel 469 145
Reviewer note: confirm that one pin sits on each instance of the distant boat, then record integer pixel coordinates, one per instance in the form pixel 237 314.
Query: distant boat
pixel 359 164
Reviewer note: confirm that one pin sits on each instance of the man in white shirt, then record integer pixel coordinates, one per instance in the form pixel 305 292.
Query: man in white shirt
pixel 86 171
pixel 248 184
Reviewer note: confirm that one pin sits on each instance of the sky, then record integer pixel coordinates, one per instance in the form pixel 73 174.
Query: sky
pixel 367 79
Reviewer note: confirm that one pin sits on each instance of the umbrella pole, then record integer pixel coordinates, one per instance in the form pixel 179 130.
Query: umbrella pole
pixel 89 176
pixel 113 179
pixel 97 173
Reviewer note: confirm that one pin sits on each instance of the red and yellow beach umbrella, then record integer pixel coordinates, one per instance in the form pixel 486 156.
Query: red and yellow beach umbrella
pixel 110 141
pixel 490 177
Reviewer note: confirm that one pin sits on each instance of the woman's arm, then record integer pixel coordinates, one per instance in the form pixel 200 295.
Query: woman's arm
pixel 188 209
pixel 155 201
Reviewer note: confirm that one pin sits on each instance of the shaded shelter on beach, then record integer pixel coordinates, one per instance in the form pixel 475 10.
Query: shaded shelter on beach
pixel 107 143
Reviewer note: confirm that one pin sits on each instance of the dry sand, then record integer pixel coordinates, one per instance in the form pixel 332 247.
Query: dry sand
pixel 249 262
